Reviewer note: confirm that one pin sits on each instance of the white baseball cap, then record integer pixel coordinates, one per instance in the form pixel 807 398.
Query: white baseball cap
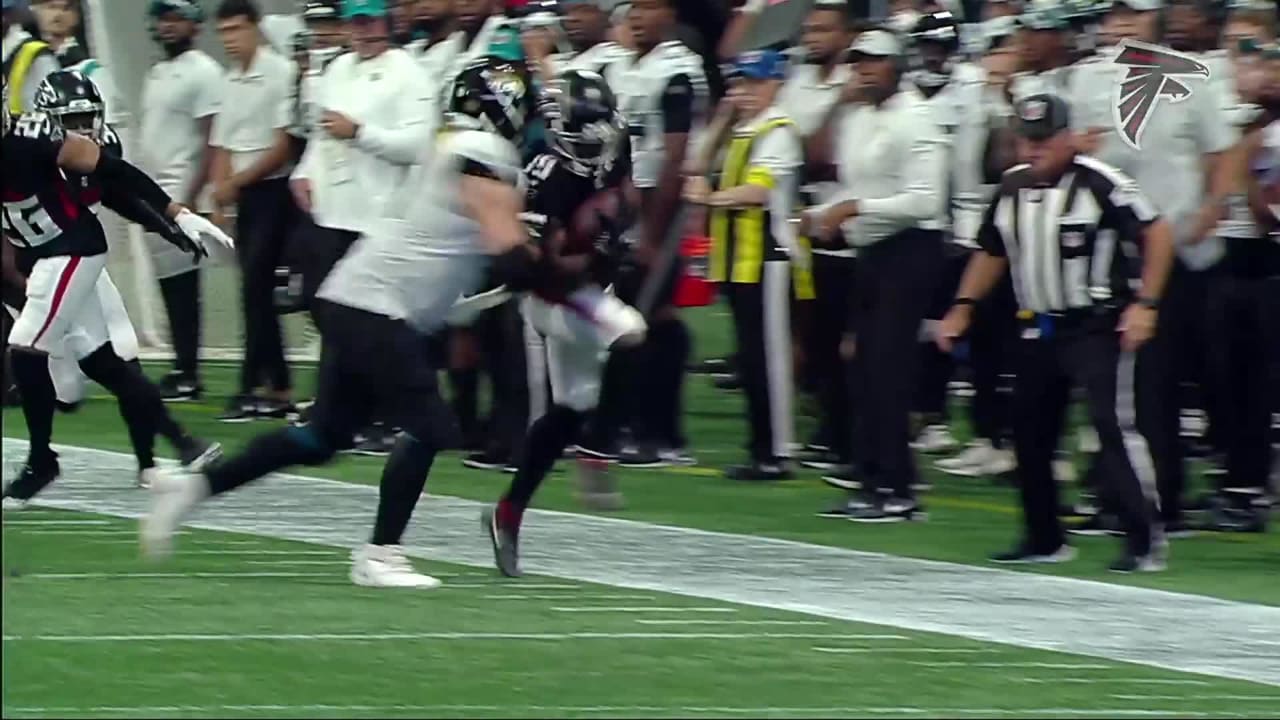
pixel 879 43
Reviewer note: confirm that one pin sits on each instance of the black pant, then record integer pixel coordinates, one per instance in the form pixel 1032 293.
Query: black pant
pixel 265 217
pixel 763 328
pixel 992 340
pixel 500 334
pixel 1245 359
pixel 894 288
pixel 181 295
pixel 833 286
pixel 316 250
pixel 937 367
pixel 1092 360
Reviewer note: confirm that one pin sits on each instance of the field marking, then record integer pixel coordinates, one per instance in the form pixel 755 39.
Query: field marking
pixel 170 575
pixel 578 596
pixel 675 621
pixel 88 533
pixel 499 583
pixel 641 609
pixel 920 650
pixel 289 553
pixel 1031 610
pixel 362 637
pixel 1233 698
pixel 52 523
pixel 1109 680
pixel 1027 665
pixel 643 710
pixel 281 562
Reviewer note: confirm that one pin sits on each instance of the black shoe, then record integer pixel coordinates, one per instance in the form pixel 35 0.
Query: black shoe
pixel 506 544
pixel 269 409
pixel 591 453
pixel 377 441
pixel 757 471
pixel 1024 554
pixel 728 382
pixel 713 366
pixel 177 387
pixel 68 408
pixel 646 457
pixel 1097 525
pixel 240 409
pixel 1130 563
pixel 488 460
pixel 892 510
pixel 197 454
pixel 826 461
pixel 845 509
pixel 35 476
pixel 843 480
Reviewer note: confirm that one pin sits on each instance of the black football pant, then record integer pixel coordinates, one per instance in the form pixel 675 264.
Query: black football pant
pixel 265 217
pixel 833 286
pixel 1048 366
pixel 500 334
pixel 761 321
pixel 894 289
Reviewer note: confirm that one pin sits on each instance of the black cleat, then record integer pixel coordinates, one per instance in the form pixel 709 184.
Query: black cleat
pixel 272 409
pixel 240 409
pixel 488 460
pixel 177 387
pixel 197 454
pixel 377 441
pixel 756 471
pixel 890 510
pixel 506 544
pixel 35 476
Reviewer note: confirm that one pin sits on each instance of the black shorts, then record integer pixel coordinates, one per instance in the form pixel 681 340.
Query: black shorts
pixel 374 367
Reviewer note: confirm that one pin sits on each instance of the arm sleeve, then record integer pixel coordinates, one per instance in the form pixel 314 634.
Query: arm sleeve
pixel 129 185
pixel 208 92
pixel 989 237
pixel 920 197
pixel 400 139
pixel 775 158
pixel 677 104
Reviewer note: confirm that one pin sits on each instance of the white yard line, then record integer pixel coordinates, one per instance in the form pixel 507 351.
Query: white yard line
pixel 575 596
pixel 1233 698
pixel 282 562
pixel 913 650
pixel 1022 665
pixel 498 583
pixel 1109 680
pixel 641 609
pixel 87 533
pixel 674 621
pixel 1032 610
pixel 171 575
pixel 285 553
pixel 364 637
pixel 56 523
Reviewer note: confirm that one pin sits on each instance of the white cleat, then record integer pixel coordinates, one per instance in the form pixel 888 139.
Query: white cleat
pixel 13 504
pixel 385 566
pixel 174 494
pixel 146 477
pixel 934 438
pixel 977 460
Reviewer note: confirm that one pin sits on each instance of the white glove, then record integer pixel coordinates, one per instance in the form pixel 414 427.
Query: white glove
pixel 467 308
pixel 202 231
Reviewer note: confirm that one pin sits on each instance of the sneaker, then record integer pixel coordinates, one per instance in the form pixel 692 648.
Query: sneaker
pixel 269 409
pixel 36 475
pixel 892 510
pixel 1064 471
pixel 178 387
pixel 605 455
pixel 385 566
pixel 1130 563
pixel 756 471
pixel 197 454
pixel 843 480
pixel 1096 525
pixel 677 457
pixel 824 460
pixel 174 494
pixel 979 459
pixel 68 408
pixel 1024 555
pixel 934 439
pixel 488 460
pixel 845 509
pixel 377 441
pixel 146 476
pixel 641 458
pixel 240 409
pixel 728 382
pixel 505 542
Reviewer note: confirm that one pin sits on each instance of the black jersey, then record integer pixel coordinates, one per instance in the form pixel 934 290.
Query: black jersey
pixel 44 211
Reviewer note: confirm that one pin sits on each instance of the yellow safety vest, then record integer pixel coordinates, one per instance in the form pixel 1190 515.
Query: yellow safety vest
pixel 742 238
pixel 21 61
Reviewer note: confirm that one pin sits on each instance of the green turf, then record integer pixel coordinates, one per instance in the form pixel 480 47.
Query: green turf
pixel 468 676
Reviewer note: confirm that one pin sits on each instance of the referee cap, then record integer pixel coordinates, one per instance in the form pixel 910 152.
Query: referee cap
pixel 877 43
pixel 368 8
pixel 1040 117
pixel 761 65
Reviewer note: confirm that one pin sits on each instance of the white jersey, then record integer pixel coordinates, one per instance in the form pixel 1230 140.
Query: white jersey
pixel 427 252
pixel 663 91
pixel 609 59
pixel 960 112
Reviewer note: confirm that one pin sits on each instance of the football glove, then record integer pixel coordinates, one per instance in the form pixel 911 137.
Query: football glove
pixel 202 232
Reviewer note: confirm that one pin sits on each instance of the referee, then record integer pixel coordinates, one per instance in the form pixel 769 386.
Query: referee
pixel 1065 226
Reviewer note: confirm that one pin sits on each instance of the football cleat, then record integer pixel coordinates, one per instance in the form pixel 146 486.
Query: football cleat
pixel 505 541
pixel 385 566
pixel 174 494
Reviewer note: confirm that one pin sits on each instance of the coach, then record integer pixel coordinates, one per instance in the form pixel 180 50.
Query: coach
pixel 1065 227
pixel 250 170
pixel 890 161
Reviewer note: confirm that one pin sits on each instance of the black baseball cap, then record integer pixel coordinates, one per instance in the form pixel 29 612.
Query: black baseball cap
pixel 1040 117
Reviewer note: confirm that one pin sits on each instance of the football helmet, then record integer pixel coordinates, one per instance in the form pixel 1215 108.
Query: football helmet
pixel 583 124
pixel 73 102
pixel 494 93
pixel 935 40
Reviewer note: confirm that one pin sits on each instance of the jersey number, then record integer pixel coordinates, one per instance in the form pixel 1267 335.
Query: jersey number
pixel 30 221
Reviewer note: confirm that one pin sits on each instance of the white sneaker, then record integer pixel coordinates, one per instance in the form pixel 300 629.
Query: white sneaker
pixel 1064 471
pixel 147 476
pixel 934 438
pixel 1087 440
pixel 967 462
pixel 174 494
pixel 385 566
pixel 13 504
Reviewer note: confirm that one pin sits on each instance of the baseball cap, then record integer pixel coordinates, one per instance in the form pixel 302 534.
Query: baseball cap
pixel 1140 5
pixel 188 9
pixel 322 10
pixel 761 65
pixel 1044 15
pixel 1042 116
pixel 368 8
pixel 877 43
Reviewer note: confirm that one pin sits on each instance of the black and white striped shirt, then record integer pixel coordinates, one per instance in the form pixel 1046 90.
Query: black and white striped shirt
pixel 1072 245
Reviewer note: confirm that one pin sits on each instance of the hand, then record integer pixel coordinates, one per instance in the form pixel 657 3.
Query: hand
pixel 538 43
pixel 848 346
pixel 301 189
pixel 830 220
pixel 1137 326
pixel 852 91
pixel 201 231
pixel 720 200
pixel 225 192
pixel 697 189
pixel 338 126
pixel 953 326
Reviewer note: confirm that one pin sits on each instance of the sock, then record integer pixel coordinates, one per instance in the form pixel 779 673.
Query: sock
pixel 181 294
pixel 279 449
pixel 548 438
pixel 403 480
pixel 31 372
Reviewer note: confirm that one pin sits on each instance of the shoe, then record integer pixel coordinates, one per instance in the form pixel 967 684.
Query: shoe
pixel 604 455
pixel 505 542
pixel 728 382
pixel 376 441
pixel 146 476
pixel 177 387
pixel 1024 555
pixel 269 409
pixel 934 439
pixel 174 494
pixel 197 454
pixel 68 408
pixel 713 366
pixel 641 458
pixel 1096 525
pixel 890 511
pixel 240 409
pixel 36 475
pixel 843 480
pixel 756 471
pixel 845 509
pixel 1064 471
pixel 1130 563
pixel 977 460
pixel 822 460
pixel 487 460
pixel 676 457
pixel 385 566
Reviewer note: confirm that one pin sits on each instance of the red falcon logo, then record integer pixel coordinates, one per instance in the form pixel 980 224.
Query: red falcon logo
pixel 1151 76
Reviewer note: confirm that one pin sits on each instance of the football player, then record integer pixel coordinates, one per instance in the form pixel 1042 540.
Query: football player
pixel 48 216
pixel 583 174
pixel 457 215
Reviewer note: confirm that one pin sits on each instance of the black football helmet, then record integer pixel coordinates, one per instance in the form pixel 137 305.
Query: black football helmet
pixel 495 93
pixel 73 102
pixel 583 124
